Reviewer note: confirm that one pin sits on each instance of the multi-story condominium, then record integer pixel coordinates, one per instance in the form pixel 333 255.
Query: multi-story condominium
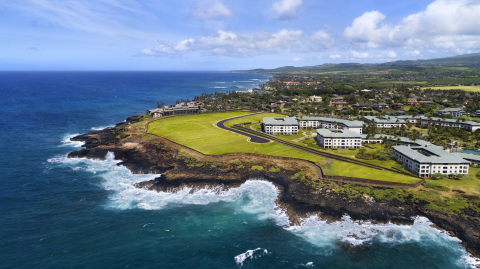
pixel 426 161
pixel 454 123
pixel 389 122
pixel 338 138
pixel 452 111
pixel 282 126
pixel 477 113
pixel 330 123
pixel 191 107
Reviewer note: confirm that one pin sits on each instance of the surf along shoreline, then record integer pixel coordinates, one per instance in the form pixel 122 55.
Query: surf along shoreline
pixel 301 192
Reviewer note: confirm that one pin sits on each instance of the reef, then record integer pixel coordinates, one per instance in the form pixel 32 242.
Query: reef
pixel 301 192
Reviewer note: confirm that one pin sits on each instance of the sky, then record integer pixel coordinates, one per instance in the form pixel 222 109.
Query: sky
pixel 221 35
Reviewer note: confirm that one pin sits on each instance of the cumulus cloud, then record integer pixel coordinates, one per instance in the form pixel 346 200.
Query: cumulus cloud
pixel 286 10
pixel 445 24
pixel 360 55
pixel 230 44
pixel 335 56
pixel 298 59
pixel 412 54
pixel 213 11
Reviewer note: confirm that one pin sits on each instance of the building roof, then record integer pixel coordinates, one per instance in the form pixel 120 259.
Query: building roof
pixel 468 156
pixel 432 155
pixel 340 133
pixel 451 109
pixel 347 123
pixel 280 121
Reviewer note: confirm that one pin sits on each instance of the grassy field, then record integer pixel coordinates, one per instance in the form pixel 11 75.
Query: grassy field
pixel 465 88
pixel 198 132
pixel 470 184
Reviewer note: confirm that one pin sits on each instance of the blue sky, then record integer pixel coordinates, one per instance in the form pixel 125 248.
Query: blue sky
pixel 230 34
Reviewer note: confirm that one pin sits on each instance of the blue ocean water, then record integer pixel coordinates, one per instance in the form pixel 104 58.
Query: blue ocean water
pixel 63 213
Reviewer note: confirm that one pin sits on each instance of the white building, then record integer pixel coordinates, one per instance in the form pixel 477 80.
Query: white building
pixel 330 123
pixel 426 161
pixel 452 111
pixel 314 98
pixel 338 138
pixel 398 121
pixel 282 126
pixel 191 107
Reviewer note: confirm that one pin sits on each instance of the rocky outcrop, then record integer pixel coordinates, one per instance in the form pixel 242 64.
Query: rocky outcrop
pixel 298 198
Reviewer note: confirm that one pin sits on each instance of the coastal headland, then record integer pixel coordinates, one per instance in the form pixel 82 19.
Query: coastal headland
pixel 298 176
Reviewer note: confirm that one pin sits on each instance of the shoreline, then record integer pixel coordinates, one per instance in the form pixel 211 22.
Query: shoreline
pixel 299 197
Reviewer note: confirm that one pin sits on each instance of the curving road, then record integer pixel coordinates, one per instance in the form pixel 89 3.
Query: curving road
pixel 252 138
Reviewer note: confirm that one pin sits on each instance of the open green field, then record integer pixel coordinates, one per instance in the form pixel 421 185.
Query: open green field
pixel 198 132
pixel 336 168
pixel 469 184
pixel 464 88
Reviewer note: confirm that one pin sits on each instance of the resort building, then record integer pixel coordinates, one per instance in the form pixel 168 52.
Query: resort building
pixel 338 138
pixel 191 107
pixel 477 114
pixel 452 111
pixel 330 123
pixel 454 123
pixel 391 121
pixel 426 161
pixel 280 126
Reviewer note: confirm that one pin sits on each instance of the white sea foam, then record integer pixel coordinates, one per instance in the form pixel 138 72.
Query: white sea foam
pixel 250 255
pixel 68 143
pixel 216 87
pixel 262 195
pixel 102 127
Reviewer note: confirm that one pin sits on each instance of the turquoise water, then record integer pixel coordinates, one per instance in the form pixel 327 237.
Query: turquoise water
pixel 63 213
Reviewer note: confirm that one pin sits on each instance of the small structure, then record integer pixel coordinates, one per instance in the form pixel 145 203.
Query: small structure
pixel 338 138
pixel 339 104
pixel 477 114
pixel 452 111
pixel 314 98
pixel 379 106
pixel 282 126
pixel 362 106
pixel 397 106
pixel 412 102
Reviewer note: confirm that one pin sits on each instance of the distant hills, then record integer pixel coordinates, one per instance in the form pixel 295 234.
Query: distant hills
pixel 467 60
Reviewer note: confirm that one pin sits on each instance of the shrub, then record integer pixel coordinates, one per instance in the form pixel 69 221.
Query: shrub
pixel 241 166
pixel 436 187
pixel 477 174
pixel 437 176
pixel 274 170
pixel 352 149
pixel 257 167
pixel 334 148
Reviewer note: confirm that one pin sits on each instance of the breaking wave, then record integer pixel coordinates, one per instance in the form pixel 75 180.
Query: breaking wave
pixel 66 142
pixel 262 195
pixel 250 255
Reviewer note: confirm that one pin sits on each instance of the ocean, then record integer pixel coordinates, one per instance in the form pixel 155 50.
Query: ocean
pixel 78 213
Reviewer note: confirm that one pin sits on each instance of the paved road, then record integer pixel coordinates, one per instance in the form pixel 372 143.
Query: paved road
pixel 253 138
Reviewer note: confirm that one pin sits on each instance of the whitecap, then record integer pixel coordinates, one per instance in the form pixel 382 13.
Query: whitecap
pixel 66 142
pixel 250 255
pixel 102 127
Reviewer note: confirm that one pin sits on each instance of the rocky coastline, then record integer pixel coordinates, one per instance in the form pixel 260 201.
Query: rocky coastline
pixel 300 194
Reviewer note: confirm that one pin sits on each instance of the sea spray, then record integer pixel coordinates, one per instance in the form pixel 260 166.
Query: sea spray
pixel 261 196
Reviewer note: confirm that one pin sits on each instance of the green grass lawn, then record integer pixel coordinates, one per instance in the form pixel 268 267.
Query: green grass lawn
pixel 198 132
pixel 337 168
pixel 469 184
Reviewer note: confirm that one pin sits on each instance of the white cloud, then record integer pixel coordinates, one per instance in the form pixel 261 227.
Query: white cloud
pixel 361 55
pixel 335 56
pixel 445 24
pixel 230 44
pixel 214 11
pixel 298 59
pixel 390 54
pixel 286 10
pixel 412 54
